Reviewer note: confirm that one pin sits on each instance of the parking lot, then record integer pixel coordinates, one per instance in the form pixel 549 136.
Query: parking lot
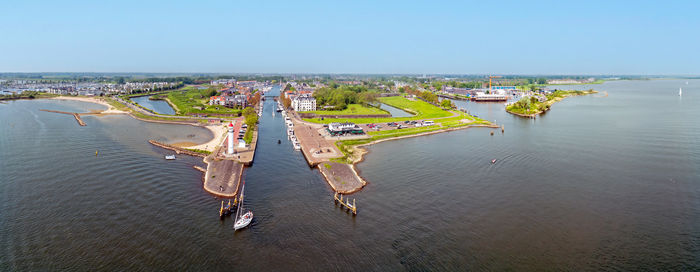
pixel 390 126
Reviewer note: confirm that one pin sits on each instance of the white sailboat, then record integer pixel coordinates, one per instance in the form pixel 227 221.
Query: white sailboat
pixel 242 221
pixel 680 91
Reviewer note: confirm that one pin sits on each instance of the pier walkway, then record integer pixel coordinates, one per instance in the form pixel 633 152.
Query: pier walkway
pixel 223 177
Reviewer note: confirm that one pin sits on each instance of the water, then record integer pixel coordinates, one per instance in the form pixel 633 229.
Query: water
pixel 159 106
pixel 598 183
pixel 395 112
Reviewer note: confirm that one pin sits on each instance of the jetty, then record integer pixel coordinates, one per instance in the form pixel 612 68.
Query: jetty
pixel 223 178
pixel 341 177
pixel 76 115
pixel 178 150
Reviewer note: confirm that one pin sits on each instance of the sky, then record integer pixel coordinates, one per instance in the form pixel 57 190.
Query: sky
pixel 368 37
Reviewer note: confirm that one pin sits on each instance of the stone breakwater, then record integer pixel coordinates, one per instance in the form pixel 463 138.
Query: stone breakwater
pixel 177 150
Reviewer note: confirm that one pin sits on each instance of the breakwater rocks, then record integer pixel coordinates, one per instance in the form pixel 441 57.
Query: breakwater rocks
pixel 76 115
pixel 177 150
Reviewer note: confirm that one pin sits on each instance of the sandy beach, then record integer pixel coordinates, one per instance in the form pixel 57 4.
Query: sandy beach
pixel 219 132
pixel 110 108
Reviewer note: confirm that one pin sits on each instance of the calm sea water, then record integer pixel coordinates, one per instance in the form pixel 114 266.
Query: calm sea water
pixel 159 106
pixel 597 183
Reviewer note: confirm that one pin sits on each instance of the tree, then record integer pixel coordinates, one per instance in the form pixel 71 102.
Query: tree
pixel 446 103
pixel 286 102
pixel 255 99
pixel 211 92
pixel 248 111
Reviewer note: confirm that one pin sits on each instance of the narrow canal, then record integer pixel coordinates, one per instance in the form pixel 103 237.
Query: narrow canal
pixel 158 106
pixel 395 112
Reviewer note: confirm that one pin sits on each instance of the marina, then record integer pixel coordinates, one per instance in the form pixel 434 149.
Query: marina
pixel 597 204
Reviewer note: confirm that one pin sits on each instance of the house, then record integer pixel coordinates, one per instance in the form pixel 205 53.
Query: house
pixel 217 100
pixel 237 100
pixel 304 102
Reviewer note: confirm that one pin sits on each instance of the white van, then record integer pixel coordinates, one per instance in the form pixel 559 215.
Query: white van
pixel 428 123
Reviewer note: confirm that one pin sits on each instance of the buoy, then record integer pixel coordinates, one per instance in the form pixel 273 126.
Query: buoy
pixel 95 152
pixel 491 133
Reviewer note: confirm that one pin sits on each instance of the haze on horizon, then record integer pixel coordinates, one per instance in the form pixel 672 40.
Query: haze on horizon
pixel 445 37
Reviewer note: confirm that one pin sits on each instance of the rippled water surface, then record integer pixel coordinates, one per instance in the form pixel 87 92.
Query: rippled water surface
pixel 598 183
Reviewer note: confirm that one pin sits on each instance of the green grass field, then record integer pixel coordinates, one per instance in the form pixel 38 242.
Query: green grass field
pixel 189 98
pixel 353 109
pixel 421 109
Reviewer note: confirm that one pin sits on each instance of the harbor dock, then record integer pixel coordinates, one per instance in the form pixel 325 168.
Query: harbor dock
pixel 342 177
pixel 223 178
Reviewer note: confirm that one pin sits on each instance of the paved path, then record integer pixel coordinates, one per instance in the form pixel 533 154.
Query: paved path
pixel 223 177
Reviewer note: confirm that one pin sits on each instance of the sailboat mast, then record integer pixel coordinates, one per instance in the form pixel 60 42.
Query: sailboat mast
pixel 240 202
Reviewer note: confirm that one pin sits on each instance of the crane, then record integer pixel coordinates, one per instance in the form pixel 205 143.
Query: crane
pixel 490 78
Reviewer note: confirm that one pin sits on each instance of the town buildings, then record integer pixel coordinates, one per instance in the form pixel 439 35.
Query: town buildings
pixel 304 102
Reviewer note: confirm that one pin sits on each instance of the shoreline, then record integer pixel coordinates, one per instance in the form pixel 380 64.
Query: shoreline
pixel 218 131
pixel 549 104
pixel 110 109
pixel 363 151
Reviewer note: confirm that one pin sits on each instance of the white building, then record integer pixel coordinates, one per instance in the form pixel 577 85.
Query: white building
pixel 304 103
pixel 230 139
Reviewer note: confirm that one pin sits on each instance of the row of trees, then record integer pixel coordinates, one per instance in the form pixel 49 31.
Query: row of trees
pixel 428 96
pixel 344 95
pixel 158 89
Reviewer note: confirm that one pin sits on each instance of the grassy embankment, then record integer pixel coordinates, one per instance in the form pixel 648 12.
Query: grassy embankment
pixel 140 115
pixel 531 106
pixel 421 110
pixel 424 109
pixel 352 109
pixel 190 100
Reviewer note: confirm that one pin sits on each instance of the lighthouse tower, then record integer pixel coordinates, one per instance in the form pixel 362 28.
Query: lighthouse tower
pixel 230 139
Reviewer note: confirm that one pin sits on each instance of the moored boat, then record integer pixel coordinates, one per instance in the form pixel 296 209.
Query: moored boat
pixel 244 220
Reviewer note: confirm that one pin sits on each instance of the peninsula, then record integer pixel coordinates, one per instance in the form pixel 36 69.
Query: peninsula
pixel 533 105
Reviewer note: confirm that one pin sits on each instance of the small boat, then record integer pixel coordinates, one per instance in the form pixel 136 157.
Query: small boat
pixel 244 220
pixel 169 157
pixel 680 91
pixel 279 141
pixel 493 161
pixel 297 146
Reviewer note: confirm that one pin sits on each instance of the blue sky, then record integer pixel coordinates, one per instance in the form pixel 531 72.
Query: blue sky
pixel 458 37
